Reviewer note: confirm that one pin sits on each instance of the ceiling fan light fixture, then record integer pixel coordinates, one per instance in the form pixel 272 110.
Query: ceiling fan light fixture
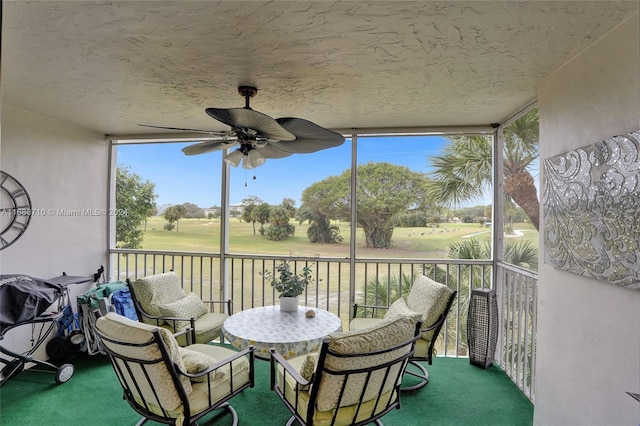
pixel 253 159
pixel 234 158
pixel 226 142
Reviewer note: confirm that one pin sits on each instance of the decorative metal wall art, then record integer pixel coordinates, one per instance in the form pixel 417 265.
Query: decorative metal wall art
pixel 591 209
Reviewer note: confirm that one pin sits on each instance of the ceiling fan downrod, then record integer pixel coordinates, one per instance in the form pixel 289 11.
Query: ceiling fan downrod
pixel 247 93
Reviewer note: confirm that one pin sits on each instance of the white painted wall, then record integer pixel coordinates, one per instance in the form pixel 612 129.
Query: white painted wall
pixel 589 331
pixel 62 168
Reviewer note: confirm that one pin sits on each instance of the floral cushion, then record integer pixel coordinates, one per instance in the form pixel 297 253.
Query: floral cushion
pixel 125 330
pixel 308 368
pixel 386 333
pixel 430 298
pixel 189 306
pixel 155 290
pixel 195 362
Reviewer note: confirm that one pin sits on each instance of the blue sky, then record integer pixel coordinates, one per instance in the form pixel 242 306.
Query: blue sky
pixel 196 179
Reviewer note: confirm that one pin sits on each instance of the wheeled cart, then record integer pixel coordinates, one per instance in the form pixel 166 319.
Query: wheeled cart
pixel 25 301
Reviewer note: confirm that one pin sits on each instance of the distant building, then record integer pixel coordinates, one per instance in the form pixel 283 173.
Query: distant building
pixel 239 207
pixel 215 211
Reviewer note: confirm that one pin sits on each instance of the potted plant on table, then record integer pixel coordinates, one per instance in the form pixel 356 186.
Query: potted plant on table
pixel 289 284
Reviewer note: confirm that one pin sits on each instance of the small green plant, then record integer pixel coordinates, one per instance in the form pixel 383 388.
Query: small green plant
pixel 286 282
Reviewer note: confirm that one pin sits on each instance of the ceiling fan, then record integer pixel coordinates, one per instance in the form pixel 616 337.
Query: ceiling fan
pixel 259 136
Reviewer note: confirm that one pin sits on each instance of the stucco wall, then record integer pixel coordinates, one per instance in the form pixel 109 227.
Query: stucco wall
pixel 64 170
pixel 589 331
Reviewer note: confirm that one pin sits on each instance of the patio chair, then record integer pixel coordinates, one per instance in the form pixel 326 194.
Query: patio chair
pixel 167 383
pixel 353 380
pixel 430 299
pixel 160 300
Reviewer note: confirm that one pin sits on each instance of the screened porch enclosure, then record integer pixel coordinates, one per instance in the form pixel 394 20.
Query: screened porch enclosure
pixel 358 266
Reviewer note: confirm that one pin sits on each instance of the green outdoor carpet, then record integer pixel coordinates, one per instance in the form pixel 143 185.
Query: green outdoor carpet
pixel 458 394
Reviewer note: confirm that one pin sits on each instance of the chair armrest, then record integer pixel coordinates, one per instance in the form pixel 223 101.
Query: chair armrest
pixel 367 308
pixel 187 331
pixel 276 359
pixel 155 318
pixel 433 326
pixel 191 328
pixel 248 351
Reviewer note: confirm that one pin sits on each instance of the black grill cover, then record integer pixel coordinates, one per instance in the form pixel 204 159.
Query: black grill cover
pixel 23 298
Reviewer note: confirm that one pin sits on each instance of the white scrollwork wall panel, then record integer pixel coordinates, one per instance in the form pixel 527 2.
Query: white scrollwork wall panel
pixel 591 208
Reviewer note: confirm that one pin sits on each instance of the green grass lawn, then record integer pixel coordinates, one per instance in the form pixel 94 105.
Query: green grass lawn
pixel 203 235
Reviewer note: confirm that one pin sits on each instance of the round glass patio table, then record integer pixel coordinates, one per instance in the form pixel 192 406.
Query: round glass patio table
pixel 290 333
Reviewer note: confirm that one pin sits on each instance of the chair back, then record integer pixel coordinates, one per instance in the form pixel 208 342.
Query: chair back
pixel 430 298
pixel 434 329
pixel 151 292
pixel 145 358
pixel 136 304
pixel 363 370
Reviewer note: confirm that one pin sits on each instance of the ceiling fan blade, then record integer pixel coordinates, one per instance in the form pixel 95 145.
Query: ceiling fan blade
pixel 271 151
pixel 208 146
pixel 209 132
pixel 309 136
pixel 264 125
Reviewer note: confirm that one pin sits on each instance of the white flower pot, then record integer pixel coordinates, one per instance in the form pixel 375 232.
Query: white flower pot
pixel 288 304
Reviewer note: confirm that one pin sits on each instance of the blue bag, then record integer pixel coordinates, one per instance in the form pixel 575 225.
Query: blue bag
pixel 123 303
pixel 92 296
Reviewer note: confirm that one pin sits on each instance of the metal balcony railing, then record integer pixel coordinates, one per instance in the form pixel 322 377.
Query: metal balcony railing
pixel 517 291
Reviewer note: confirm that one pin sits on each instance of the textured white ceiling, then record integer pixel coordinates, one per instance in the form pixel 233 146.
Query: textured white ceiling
pixel 110 66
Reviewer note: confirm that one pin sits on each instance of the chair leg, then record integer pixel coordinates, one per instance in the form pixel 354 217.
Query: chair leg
pixel 422 374
pixel 232 411
pixel 291 421
pixel 142 421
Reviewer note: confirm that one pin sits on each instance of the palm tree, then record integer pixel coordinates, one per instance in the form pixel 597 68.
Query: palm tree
pixel 464 171
pixel 520 253
pixel 320 229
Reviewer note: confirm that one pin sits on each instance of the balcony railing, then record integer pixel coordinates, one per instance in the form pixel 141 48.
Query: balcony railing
pixel 375 281
pixel 517 291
